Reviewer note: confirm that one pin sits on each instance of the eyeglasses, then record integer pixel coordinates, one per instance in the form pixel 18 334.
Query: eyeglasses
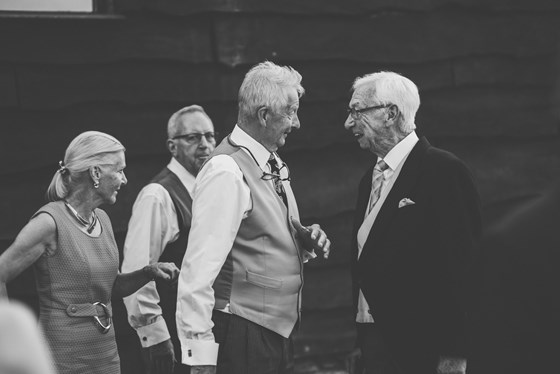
pixel 196 137
pixel 357 113
pixel 273 176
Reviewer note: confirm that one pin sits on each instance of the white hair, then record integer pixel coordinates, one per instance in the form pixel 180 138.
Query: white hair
pixel 387 87
pixel 173 122
pixel 88 149
pixel 266 84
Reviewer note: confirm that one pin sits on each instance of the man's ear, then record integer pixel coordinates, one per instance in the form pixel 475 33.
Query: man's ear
pixel 172 147
pixel 392 113
pixel 262 115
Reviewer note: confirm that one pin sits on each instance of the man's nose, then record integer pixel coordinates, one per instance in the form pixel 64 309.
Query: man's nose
pixel 295 122
pixel 349 123
pixel 204 143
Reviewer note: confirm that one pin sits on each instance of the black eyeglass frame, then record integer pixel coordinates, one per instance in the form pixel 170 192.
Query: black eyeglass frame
pixel 198 137
pixel 356 113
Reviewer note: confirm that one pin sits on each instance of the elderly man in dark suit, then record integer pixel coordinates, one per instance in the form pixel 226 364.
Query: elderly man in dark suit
pixel 417 226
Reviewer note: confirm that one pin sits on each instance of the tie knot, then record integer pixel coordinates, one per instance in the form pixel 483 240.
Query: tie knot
pixel 273 163
pixel 381 166
pixel 272 159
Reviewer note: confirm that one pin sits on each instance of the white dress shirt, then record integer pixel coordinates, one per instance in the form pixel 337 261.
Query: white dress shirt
pixel 395 160
pixel 222 199
pixel 152 226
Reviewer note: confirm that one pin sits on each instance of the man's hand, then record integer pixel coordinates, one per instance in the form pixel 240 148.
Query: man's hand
pixel 159 358
pixel 313 237
pixel 452 365
pixel 203 369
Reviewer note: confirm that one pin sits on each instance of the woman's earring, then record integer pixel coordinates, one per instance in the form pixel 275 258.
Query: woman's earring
pixel 96 184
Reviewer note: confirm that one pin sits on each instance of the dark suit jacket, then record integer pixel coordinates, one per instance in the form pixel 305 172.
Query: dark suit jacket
pixel 517 324
pixel 415 262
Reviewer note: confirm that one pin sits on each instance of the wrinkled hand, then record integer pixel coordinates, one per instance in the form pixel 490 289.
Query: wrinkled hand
pixel 203 369
pixel 451 365
pixel 163 270
pixel 313 237
pixel 159 358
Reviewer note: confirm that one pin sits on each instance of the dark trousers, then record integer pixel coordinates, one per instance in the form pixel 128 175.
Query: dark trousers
pixel 247 348
pixel 179 367
pixel 375 358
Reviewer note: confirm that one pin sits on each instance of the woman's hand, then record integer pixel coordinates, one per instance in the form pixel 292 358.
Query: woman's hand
pixel 162 270
pixel 128 283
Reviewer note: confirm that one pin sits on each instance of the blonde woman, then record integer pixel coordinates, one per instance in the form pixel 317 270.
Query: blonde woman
pixel 71 245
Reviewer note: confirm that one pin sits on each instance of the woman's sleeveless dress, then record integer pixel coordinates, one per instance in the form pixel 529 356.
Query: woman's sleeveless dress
pixel 80 272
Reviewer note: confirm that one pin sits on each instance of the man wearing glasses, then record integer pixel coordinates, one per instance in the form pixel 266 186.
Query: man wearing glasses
pixel 158 231
pixel 239 296
pixel 416 229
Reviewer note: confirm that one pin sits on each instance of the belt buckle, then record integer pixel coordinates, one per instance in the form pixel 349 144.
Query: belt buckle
pixel 104 328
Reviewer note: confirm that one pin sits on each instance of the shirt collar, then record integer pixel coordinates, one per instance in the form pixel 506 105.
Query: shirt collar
pixel 260 153
pixel 400 151
pixel 183 174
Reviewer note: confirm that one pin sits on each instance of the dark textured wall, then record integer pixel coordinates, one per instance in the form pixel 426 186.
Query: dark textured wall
pixel 487 72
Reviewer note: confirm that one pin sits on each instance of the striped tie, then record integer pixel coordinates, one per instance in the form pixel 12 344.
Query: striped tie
pixel 278 186
pixel 376 183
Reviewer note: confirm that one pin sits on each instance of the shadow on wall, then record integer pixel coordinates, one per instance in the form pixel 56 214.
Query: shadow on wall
pixel 517 316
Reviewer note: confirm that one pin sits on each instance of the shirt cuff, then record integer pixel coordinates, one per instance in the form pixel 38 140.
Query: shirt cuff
pixel 199 352
pixel 153 333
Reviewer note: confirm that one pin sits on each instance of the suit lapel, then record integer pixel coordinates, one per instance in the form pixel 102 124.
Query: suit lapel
pixel 363 198
pixel 364 191
pixel 402 187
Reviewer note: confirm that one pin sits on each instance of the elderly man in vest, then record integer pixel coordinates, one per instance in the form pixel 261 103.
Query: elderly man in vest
pixel 158 231
pixel 239 296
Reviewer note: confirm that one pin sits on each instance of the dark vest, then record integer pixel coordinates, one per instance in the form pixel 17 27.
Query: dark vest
pixel 174 251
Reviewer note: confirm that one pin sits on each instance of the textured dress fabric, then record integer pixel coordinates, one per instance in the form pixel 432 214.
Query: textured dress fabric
pixel 80 272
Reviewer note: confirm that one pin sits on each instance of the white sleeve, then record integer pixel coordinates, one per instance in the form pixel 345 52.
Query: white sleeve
pixel 152 226
pixel 221 199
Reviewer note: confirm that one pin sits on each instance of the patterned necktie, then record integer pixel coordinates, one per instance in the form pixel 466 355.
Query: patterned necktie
pixel 377 180
pixel 278 186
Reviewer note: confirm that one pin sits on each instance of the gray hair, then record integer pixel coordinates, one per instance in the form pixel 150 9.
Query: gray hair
pixel 266 85
pixel 387 87
pixel 88 149
pixel 173 122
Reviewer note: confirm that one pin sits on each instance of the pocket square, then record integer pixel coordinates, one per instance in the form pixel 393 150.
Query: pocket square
pixel 406 201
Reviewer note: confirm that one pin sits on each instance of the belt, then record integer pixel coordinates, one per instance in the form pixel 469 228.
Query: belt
pixel 92 310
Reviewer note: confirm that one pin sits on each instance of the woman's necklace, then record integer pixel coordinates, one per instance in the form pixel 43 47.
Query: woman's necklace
pixel 84 222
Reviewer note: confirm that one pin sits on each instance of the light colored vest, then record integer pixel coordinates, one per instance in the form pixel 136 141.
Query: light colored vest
pixel 262 277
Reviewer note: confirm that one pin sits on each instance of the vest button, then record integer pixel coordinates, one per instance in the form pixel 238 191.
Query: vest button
pixel 73 309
